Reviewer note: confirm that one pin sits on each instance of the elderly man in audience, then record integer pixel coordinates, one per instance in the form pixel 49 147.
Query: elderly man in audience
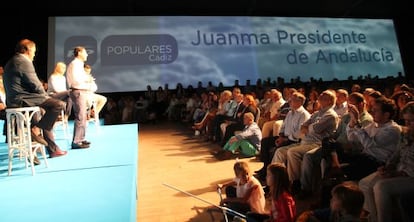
pixel 393 180
pixel 247 141
pixel 341 106
pixel 321 124
pixel 341 148
pixel 289 132
pixel 271 115
pixel 333 150
pixel 249 105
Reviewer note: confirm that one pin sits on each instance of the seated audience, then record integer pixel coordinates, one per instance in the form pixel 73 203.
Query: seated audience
pixel 395 179
pixel 321 124
pixel 249 106
pixel 289 132
pixel 244 193
pixel 247 142
pixel 346 206
pixel 283 206
pixel 379 139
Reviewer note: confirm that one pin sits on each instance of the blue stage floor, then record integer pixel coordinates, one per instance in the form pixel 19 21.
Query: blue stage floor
pixel 95 184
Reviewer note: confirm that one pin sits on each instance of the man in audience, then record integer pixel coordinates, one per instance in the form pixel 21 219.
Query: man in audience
pixel 246 142
pixel 289 132
pixel 273 114
pixel 321 124
pixel 344 148
pixel 395 179
pixel 379 139
pixel 341 106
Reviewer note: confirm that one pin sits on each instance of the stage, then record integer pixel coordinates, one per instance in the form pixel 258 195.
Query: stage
pixel 95 184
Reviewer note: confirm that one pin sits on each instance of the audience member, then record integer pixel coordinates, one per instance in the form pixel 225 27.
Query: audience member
pixel 312 103
pixel 271 116
pixel 249 105
pixel 244 193
pixel 341 106
pixel 289 132
pixel 393 180
pixel 247 141
pixel 379 139
pixel 221 123
pixel 283 206
pixel 226 112
pixel 401 98
pixel 321 124
pixel 346 206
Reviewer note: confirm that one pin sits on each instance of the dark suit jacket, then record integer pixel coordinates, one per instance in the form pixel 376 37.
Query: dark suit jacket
pixel 22 85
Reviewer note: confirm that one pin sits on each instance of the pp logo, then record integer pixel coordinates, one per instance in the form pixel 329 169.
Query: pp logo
pixel 88 42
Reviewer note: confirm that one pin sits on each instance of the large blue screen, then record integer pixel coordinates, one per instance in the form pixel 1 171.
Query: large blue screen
pixel 127 53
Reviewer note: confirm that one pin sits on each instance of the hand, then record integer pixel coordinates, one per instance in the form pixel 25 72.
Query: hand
pixel 353 111
pixel 304 129
pixel 279 141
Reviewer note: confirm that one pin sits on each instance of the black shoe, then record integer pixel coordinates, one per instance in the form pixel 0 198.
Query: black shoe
pixel 79 146
pixel 36 161
pixel 86 142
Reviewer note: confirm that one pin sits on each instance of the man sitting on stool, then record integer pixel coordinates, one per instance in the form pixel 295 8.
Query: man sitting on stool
pixel 23 88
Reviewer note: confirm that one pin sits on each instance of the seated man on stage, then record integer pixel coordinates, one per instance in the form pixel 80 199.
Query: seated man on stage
pixel 23 88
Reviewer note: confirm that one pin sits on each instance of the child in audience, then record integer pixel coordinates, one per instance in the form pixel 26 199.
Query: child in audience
pixel 346 206
pixel 283 206
pixel 244 193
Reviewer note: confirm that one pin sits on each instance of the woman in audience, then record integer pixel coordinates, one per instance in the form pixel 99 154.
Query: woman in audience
pixel 401 98
pixel 312 104
pixel 210 108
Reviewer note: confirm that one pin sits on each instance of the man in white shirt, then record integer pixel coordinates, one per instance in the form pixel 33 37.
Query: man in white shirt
pixel 80 85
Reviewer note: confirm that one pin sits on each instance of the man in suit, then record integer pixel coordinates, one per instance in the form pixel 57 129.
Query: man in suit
pixel 23 89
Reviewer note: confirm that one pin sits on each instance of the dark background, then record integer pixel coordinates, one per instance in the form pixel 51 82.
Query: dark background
pixel 29 19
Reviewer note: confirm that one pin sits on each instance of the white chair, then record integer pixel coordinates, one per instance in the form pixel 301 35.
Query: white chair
pixel 19 136
pixel 63 122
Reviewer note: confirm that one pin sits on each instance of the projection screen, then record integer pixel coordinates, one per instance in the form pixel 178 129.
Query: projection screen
pixel 127 53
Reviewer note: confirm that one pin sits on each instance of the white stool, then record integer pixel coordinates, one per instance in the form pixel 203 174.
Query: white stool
pixel 63 121
pixel 19 136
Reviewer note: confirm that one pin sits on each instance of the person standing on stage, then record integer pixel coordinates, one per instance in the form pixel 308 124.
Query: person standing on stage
pixel 80 85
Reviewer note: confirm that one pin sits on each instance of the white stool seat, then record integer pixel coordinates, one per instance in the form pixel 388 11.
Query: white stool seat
pixel 19 136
